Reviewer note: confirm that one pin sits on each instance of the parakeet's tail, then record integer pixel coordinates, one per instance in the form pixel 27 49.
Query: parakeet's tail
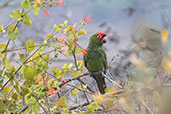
pixel 100 83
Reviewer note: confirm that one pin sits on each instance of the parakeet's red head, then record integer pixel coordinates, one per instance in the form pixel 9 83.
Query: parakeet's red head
pixel 101 36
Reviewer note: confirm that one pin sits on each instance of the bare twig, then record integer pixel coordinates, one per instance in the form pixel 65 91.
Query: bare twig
pixel 80 89
pixel 42 106
pixel 84 92
pixel 24 109
pixel 79 106
pixel 69 80
pixel 115 83
pixel 10 39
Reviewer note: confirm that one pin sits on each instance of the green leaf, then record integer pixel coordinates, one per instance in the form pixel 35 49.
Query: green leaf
pixel 69 28
pixel 22 57
pixel 72 42
pixel 82 31
pixel 6 63
pixel 32 103
pixel 36 8
pixel 66 111
pixel 3 93
pixel 26 98
pixel 16 15
pixel 66 67
pixel 26 20
pixel 49 35
pixel 7 89
pixel 23 69
pixel 56 28
pixel 36 108
pixel 71 35
pixel 17 88
pixel 30 73
pixel 75 91
pixel 80 64
pixel 65 22
pixel 42 64
pixel 30 45
pixel 92 107
pixel 44 43
pixel 62 102
pixel 12 33
pixel 2 29
pixel 1 81
pixel 2 106
pixel 61 25
pixel 14 96
pixel 26 4
pixel 78 51
pixel 74 112
pixel 2 47
pixel 24 91
pixel 58 73
pixel 68 51
pixel 76 73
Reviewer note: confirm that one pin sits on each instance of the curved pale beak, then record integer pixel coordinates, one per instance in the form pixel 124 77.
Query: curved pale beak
pixel 105 39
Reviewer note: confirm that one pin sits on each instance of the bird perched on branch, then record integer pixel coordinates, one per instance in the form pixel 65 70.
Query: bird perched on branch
pixel 95 60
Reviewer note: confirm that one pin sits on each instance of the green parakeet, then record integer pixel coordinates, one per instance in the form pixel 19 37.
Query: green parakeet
pixel 95 60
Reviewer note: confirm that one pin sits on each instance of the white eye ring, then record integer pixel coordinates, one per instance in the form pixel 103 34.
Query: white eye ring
pixel 99 36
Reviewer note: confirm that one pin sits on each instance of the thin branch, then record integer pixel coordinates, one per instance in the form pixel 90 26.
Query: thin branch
pixel 166 15
pixel 40 56
pixel 15 27
pixel 10 39
pixel 69 80
pixel 80 89
pixel 18 49
pixel 24 109
pixel 80 106
pixel 84 91
pixel 9 23
pixel 25 62
pixel 148 109
pixel 115 83
pixel 42 106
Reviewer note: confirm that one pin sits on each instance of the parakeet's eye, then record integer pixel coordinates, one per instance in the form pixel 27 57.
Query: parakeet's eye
pixel 99 36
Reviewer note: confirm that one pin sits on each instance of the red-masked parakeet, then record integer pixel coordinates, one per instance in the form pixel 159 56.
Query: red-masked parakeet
pixel 95 60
